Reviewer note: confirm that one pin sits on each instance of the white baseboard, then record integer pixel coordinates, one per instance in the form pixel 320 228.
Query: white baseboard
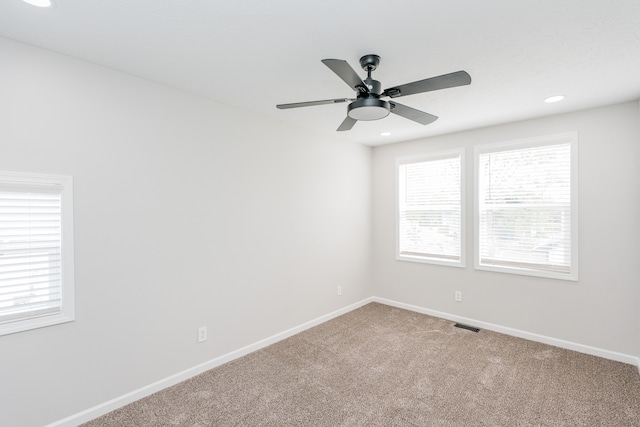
pixel 594 351
pixel 125 399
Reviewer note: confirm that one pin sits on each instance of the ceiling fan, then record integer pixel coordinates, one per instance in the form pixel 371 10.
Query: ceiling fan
pixel 368 105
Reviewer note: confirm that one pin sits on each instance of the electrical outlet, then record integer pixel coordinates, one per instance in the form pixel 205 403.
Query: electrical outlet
pixel 339 292
pixel 202 334
pixel 458 296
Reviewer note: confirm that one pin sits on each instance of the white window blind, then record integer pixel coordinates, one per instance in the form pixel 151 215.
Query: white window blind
pixel 32 292
pixel 525 206
pixel 430 209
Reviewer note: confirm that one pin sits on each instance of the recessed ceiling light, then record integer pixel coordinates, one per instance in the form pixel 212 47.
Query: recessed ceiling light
pixel 39 3
pixel 555 98
pixel 385 133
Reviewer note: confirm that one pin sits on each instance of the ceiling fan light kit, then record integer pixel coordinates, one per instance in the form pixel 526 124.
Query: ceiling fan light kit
pixel 368 105
pixel 368 109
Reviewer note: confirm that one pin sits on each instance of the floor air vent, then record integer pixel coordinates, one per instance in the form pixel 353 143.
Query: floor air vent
pixel 470 328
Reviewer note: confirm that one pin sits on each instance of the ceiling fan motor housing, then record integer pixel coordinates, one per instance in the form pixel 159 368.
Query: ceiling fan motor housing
pixel 374 86
pixel 369 106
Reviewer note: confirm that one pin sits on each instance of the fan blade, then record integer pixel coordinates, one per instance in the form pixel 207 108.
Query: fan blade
pixel 459 78
pixel 347 124
pixel 347 74
pixel 312 103
pixel 412 114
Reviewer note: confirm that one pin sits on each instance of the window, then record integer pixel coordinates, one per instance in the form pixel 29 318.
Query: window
pixel 526 207
pixel 36 251
pixel 430 209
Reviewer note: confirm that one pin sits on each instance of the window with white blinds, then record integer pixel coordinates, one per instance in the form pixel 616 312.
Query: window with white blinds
pixel 36 255
pixel 430 209
pixel 526 207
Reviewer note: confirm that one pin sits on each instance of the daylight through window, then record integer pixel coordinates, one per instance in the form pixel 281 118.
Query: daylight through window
pixel 430 211
pixel 36 257
pixel 525 207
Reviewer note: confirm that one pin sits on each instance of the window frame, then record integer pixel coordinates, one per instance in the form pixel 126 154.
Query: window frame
pixel 66 313
pixel 556 139
pixel 425 157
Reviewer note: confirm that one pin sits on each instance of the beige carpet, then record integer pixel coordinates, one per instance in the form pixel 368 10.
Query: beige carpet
pixel 382 366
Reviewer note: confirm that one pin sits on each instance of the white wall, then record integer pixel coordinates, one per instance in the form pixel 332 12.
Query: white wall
pixel 602 309
pixel 187 213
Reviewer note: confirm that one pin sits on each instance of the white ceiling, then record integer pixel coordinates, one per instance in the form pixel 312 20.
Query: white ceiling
pixel 254 54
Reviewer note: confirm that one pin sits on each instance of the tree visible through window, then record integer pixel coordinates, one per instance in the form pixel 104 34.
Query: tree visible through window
pixel 525 201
